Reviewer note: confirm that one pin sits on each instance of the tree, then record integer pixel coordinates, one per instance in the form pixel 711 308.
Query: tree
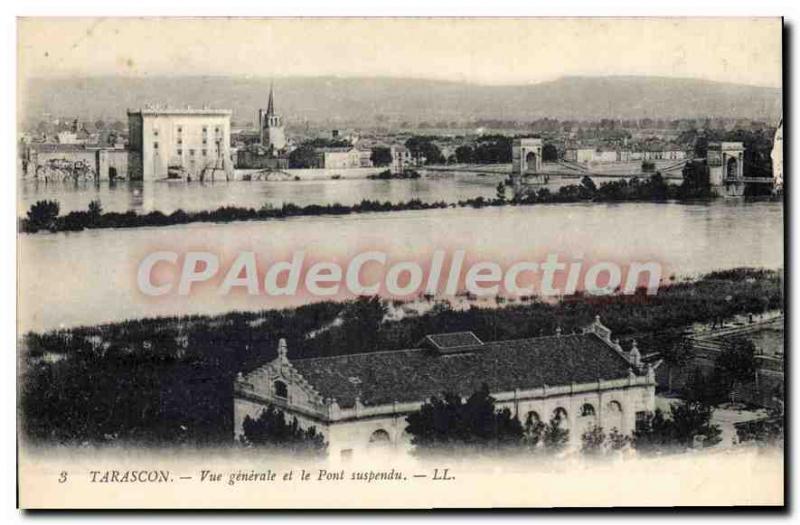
pixel 657 187
pixel 422 147
pixel 99 125
pixel 593 441
pixel 303 157
pixel 42 215
pixel 688 419
pixel 492 149
pixel 95 209
pixel 705 388
pixel 447 422
pixel 736 363
pixel 381 156
pixel 588 187
pixel 691 419
pixel 549 153
pixel 464 155
pixel 501 192
pixel 653 434
pixel 270 429
pixel 676 355
pixel 617 440
pixel 555 438
pixel 533 432
pixel 696 180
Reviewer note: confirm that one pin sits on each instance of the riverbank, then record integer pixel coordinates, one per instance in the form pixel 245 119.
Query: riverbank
pixel 44 215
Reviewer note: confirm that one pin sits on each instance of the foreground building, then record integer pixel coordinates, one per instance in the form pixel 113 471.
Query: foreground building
pixel 179 143
pixel 362 400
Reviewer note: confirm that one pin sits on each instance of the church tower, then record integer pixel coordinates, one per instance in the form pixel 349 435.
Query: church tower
pixel 271 125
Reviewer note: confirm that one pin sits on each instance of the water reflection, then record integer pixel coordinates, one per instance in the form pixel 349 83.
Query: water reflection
pixel 168 196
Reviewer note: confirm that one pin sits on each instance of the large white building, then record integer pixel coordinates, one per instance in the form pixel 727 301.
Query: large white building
pixel 179 143
pixel 362 400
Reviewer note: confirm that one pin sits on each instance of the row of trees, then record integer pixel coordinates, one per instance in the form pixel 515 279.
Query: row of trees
pixel 496 149
pixel 652 188
pixel 44 215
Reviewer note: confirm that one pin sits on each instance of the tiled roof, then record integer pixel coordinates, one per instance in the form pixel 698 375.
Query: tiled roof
pixel 417 374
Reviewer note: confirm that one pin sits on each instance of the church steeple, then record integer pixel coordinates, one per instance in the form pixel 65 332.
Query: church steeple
pixel 270 104
pixel 272 134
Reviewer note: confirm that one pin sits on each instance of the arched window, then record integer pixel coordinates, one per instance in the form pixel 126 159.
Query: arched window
pixel 532 418
pixel 561 415
pixel 587 410
pixel 280 390
pixel 612 419
pixel 379 438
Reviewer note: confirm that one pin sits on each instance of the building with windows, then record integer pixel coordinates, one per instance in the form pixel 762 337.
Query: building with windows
pixel 579 154
pixel 401 158
pixel 360 401
pixel 179 143
pixel 337 157
pixel 52 162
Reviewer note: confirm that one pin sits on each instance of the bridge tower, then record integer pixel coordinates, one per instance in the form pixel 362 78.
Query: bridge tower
pixel 526 160
pixel 726 168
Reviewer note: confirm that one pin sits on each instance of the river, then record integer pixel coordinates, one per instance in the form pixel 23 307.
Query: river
pixel 168 196
pixel 89 277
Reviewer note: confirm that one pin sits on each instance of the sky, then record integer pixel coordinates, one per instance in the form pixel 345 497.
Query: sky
pixel 485 51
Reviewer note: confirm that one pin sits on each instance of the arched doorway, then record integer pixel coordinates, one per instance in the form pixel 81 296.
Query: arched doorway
pixel 732 169
pixel 380 438
pixel 530 162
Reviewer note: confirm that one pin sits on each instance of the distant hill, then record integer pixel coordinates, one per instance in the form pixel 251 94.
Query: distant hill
pixel 321 99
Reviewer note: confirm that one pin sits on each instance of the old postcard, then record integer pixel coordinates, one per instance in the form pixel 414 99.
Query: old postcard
pixel 400 263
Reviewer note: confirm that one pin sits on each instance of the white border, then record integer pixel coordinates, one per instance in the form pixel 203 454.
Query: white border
pixel 10 10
